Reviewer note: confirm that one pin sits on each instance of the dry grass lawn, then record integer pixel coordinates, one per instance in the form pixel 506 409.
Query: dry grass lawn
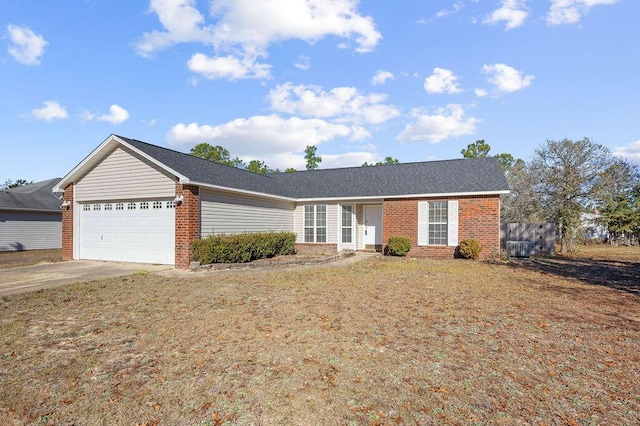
pixel 382 341
pixel 11 259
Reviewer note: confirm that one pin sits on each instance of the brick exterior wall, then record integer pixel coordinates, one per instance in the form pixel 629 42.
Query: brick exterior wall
pixel 67 224
pixel 478 218
pixel 316 248
pixel 187 223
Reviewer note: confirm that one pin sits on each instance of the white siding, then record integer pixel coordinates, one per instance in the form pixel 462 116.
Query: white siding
pixel 298 223
pixel 124 176
pixel 332 222
pixel 30 231
pixel 226 213
pixel 359 227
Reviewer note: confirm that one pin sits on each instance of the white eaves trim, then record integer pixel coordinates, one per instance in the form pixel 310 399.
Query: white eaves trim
pixel 381 197
pixel 241 191
pixel 82 167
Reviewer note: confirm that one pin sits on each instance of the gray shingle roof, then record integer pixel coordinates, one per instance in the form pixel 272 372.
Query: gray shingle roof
pixel 433 177
pixel 406 179
pixel 37 196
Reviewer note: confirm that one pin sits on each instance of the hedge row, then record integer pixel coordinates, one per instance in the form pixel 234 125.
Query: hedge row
pixel 240 248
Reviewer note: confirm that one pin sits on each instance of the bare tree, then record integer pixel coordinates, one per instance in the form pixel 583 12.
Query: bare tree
pixel 570 177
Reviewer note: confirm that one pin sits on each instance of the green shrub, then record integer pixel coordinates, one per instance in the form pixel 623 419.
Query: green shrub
pixel 398 246
pixel 240 248
pixel 470 248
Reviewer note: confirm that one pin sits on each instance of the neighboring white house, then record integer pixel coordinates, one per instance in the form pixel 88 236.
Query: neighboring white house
pixel 30 217
pixel 591 228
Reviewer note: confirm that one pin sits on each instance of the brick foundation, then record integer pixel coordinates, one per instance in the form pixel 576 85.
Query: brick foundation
pixel 316 248
pixel 478 218
pixel 67 224
pixel 187 223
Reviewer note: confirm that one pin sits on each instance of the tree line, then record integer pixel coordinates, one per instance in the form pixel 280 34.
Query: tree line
pixel 566 179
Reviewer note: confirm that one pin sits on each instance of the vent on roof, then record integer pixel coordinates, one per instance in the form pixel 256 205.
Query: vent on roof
pixel 519 248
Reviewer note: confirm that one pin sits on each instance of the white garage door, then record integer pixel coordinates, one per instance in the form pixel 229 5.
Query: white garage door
pixel 142 231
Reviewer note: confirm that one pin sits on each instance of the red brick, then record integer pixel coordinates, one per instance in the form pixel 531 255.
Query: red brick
pixel 478 218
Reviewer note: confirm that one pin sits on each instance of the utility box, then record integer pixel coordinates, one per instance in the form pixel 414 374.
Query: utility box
pixel 519 248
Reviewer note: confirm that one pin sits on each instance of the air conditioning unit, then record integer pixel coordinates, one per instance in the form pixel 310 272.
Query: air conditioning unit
pixel 519 248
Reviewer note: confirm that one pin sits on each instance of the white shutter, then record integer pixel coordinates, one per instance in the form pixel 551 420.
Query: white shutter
pixel 452 223
pixel 423 224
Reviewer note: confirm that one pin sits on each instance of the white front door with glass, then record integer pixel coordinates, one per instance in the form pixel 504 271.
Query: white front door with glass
pixel 373 225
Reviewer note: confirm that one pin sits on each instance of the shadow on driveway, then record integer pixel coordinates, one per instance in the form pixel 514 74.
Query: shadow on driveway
pixel 620 275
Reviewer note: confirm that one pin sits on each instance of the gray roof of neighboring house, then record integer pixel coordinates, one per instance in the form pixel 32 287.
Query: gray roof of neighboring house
pixel 464 175
pixel 36 197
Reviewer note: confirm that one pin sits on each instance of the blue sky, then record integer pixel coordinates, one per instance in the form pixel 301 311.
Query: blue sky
pixel 361 80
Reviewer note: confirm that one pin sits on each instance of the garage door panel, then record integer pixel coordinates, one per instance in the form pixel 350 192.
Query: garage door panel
pixel 128 234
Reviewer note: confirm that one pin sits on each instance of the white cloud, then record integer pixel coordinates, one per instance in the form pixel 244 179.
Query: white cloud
pixel 342 104
pixel 182 23
pixel 248 22
pixel 630 152
pixel 481 93
pixel 513 12
pixel 277 141
pixel 457 7
pixel 245 28
pixel 448 122
pixel 506 79
pixel 571 11
pixel 52 110
pixel 303 62
pixel 116 115
pixel 348 159
pixel 442 81
pixel 264 135
pixel 381 77
pixel 229 67
pixel 26 47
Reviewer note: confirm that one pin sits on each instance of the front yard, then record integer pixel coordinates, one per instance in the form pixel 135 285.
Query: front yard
pixel 382 341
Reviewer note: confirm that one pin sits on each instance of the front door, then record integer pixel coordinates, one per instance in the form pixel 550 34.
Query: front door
pixel 373 226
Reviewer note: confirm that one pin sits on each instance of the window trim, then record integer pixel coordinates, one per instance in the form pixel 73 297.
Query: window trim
pixel 352 226
pixel 430 241
pixel 316 226
pixel 452 223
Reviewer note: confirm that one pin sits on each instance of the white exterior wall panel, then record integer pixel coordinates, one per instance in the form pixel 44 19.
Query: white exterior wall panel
pixel 30 230
pixel 124 176
pixel 227 213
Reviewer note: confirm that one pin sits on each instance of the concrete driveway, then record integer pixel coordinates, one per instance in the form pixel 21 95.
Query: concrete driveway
pixel 23 279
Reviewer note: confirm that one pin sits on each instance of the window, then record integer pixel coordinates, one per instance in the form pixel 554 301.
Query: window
pixel 144 206
pixel 119 206
pixel 437 220
pixel 315 224
pixel 96 207
pixel 86 207
pixel 157 204
pixel 347 224
pixel 107 206
pixel 131 206
pixel 171 205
